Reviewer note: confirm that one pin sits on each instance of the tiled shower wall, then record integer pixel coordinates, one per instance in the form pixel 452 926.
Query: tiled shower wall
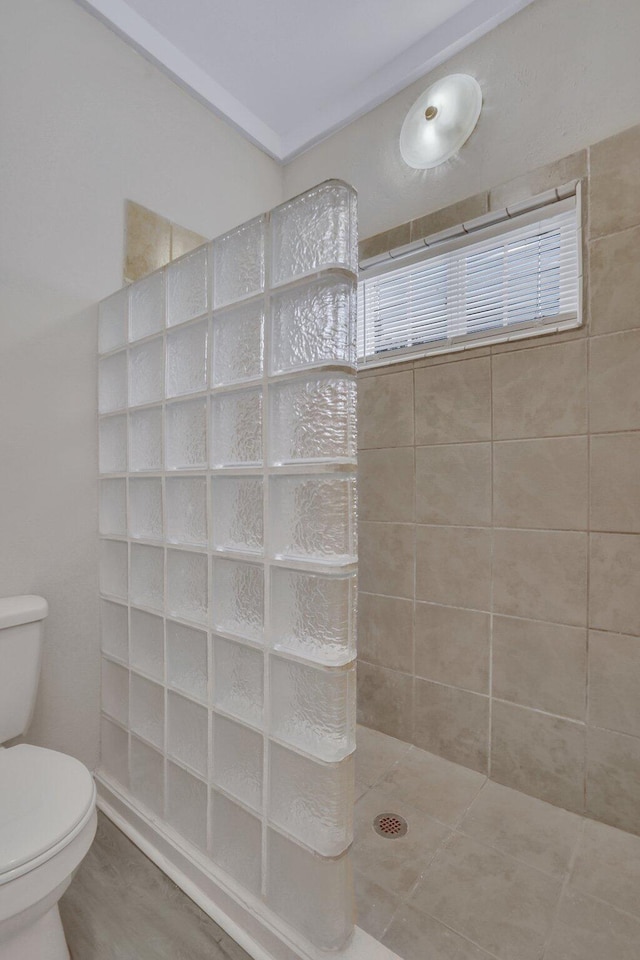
pixel 500 527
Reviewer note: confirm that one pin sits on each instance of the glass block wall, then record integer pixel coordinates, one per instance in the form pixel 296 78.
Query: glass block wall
pixel 227 441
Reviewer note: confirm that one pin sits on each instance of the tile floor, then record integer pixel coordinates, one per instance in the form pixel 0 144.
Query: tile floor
pixel 484 871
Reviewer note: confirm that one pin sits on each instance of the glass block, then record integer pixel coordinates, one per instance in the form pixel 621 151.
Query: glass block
pixel 186 510
pixel 314 518
pixel 313 894
pixel 113 507
pixel 236 428
pixel 237 761
pixel 312 801
pixel 187 585
pixel 187 359
pixel 147 576
pixel 187 805
pixel 112 383
pixel 112 441
pixel 236 841
pixel 238 263
pixel 313 419
pixel 114 631
pixel 312 708
pixel 313 325
pixel 237 597
pixel 238 680
pixel 188 733
pixel 147 710
pixel 115 691
pixel 187 659
pixel 146 372
pixel 237 509
pixel 114 752
pixel 238 345
pixel 146 775
pixel 313 616
pixel 113 568
pixel 145 439
pixel 146 306
pixel 314 231
pixel 145 509
pixel 147 644
pixel 112 322
pixel 186 434
pixel 187 287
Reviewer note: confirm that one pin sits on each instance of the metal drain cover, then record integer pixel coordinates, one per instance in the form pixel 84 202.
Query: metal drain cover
pixel 390 825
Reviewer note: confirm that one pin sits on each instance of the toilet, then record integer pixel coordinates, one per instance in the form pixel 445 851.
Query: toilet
pixel 47 800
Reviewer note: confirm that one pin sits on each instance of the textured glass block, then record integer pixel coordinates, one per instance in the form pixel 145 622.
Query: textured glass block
pixel 187 733
pixel 238 345
pixel 146 372
pixel 112 322
pixel 314 231
pixel 187 287
pixel 112 442
pixel 115 691
pixel 312 801
pixel 313 616
pixel 314 518
pixel 147 576
pixel 146 306
pixel 114 751
pixel 187 659
pixel 113 507
pixel 147 644
pixel 186 509
pixel 187 359
pixel 236 841
pixel 187 585
pixel 237 597
pixel 145 439
pixel 146 775
pixel 113 568
pixel 186 434
pixel 313 325
pixel 238 680
pixel 313 419
pixel 187 805
pixel 238 263
pixel 145 509
pixel 236 428
pixel 313 894
pixel 114 631
pixel 237 509
pixel 112 383
pixel 312 708
pixel 237 761
pixel 147 710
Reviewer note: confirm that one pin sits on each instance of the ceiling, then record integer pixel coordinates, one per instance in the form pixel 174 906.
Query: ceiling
pixel 287 73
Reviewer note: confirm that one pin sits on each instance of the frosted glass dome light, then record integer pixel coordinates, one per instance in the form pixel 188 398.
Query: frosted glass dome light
pixel 440 121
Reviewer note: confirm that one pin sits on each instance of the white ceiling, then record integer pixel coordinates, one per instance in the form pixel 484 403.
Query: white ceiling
pixel 287 73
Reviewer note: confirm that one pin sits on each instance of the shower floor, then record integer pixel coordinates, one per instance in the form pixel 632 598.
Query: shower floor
pixel 484 871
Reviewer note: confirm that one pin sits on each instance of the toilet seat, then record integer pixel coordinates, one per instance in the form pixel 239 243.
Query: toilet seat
pixel 46 799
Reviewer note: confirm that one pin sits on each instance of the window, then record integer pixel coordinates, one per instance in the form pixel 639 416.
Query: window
pixel 519 277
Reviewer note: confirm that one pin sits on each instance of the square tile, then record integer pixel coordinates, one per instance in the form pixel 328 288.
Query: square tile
pixel 385 700
pixel 386 484
pixel 614 385
pixel 614 572
pixel 375 906
pixel 453 402
pixel 614 283
pixel 615 483
pixel 386 558
pixel 589 930
pixel 614 681
pixel 385 410
pixel 452 723
pixel 613 774
pixel 608 866
pixel 613 200
pixel 385 631
pixel 452 646
pixel 453 566
pixel 453 484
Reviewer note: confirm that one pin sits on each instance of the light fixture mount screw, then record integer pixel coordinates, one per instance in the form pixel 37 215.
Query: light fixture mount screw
pixel 431 113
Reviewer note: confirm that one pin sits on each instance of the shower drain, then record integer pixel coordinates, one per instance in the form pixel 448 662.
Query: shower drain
pixel 390 825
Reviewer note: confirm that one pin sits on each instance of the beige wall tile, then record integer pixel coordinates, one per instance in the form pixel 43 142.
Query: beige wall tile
pixel 614 197
pixel 452 216
pixel 538 754
pixel 453 402
pixel 586 929
pixel 608 866
pixel 385 700
pixel 183 240
pixel 541 483
pixel 614 384
pixel 613 775
pixel 614 282
pixel 614 682
pixel 541 575
pixel 541 665
pixel 452 723
pixel 385 410
pixel 387 558
pixel 453 484
pixel 453 566
pixel 386 484
pixel 555 174
pixel 614 597
pixel 148 241
pixel 387 240
pixel 541 392
pixel 452 646
pixel 385 631
pixel 615 482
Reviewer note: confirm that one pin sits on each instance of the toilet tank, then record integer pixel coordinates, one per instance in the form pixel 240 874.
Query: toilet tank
pixel 21 630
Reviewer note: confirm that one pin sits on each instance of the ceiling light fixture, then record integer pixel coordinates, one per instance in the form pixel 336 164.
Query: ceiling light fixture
pixel 440 121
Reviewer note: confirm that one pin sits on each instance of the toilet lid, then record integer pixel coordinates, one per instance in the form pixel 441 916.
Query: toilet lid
pixel 43 796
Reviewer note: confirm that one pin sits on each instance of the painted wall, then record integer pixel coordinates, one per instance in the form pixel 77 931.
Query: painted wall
pixel 86 122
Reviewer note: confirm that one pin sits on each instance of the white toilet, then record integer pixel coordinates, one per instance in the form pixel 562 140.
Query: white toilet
pixel 47 801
